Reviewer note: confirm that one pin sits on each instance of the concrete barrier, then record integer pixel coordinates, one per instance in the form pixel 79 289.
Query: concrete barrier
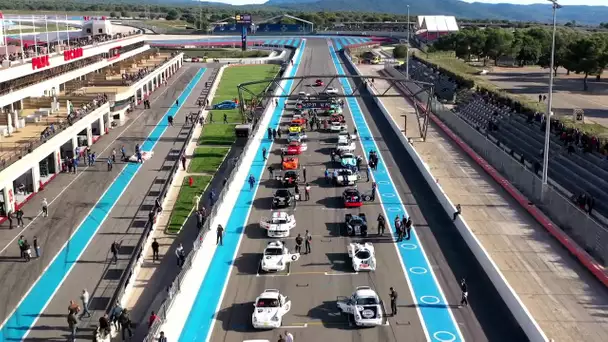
pixel 514 303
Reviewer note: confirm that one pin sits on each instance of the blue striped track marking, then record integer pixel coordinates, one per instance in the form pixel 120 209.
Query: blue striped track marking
pixel 17 326
pixel 267 42
pixel 435 315
pixel 351 41
pixel 199 324
pixel 290 42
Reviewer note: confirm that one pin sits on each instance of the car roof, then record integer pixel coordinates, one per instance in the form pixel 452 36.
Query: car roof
pixel 351 191
pixel 365 291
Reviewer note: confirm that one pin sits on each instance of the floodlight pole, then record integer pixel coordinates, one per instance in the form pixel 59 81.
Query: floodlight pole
pixel 545 177
pixel 407 47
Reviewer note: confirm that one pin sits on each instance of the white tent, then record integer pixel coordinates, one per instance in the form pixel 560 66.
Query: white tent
pixel 437 24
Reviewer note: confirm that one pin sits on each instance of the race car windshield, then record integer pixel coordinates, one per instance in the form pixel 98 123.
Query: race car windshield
pixel 267 303
pixel 367 301
pixel 363 255
pixel 274 251
pixel 282 193
pixel 356 221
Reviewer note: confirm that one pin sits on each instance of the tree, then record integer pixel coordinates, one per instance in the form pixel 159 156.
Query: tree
pixel 400 51
pixel 582 57
pixel 113 15
pixel 124 14
pixel 499 44
pixel 172 15
pixel 529 50
pixel 202 25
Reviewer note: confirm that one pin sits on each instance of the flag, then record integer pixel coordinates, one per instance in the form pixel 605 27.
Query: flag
pixel 35 37
pixel 67 30
pixel 46 27
pixel 21 39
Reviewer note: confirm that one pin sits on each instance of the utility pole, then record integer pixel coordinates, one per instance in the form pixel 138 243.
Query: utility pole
pixel 407 47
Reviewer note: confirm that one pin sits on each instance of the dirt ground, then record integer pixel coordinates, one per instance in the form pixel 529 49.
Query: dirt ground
pixel 568 90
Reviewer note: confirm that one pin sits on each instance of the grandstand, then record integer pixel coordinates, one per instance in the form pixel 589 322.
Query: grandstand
pixel 577 164
pixel 55 97
pixel 393 26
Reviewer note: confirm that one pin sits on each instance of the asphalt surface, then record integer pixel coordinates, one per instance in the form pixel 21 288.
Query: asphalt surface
pixel 124 223
pixel 314 282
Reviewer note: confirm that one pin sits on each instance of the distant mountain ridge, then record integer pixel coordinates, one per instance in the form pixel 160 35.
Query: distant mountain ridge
pixel 589 15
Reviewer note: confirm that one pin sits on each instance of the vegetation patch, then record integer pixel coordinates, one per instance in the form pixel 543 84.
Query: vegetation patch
pixel 207 159
pixel 186 201
pixel 217 134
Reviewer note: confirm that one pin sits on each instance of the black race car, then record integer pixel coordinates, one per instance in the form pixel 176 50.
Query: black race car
pixel 290 179
pixel 356 224
pixel 282 199
pixel 352 198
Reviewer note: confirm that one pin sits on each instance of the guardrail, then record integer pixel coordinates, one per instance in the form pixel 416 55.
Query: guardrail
pixel 139 248
pixel 512 300
pixel 176 286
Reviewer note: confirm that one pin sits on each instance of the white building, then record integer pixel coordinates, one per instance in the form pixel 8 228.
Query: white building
pixel 431 27
pixel 46 108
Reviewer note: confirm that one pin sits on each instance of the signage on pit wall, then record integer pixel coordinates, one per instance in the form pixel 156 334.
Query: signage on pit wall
pixel 71 54
pixel 40 62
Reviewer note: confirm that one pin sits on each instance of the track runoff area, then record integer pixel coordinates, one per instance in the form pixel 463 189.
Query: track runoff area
pixel 314 284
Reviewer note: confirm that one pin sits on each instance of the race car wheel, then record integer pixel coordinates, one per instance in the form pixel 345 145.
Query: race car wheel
pixel 294 257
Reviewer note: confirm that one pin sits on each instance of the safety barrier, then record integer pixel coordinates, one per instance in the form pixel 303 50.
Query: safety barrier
pixel 514 303
pixel 213 217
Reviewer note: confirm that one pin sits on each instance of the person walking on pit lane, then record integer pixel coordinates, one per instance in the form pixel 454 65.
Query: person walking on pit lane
pixel 19 215
pixel 170 120
pixel 307 241
pixel 225 118
pixel 393 296
pixel 84 298
pixel 114 250
pixel 109 162
pixel 264 153
pixel 72 324
pixel 304 173
pixel 177 103
pixel 407 225
pixel 274 133
pixel 45 208
pixel 288 337
pixel 398 229
pixel 180 254
pixel 251 181
pixel 9 217
pixel 465 293
pixel 162 337
pixel 269 133
pixel 183 159
pixel 299 241
pixel 155 247
pixel 307 192
pixel 381 224
pixel 36 247
pixel 123 152
pixel 220 235
pixel 271 172
pixel 125 323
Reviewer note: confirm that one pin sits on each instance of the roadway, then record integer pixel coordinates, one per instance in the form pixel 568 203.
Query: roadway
pixel 74 199
pixel 316 280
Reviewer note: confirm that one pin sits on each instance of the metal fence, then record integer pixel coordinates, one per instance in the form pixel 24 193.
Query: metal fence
pixel 580 226
pixel 177 284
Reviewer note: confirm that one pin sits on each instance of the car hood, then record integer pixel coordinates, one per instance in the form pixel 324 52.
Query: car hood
pixel 265 314
pixel 272 259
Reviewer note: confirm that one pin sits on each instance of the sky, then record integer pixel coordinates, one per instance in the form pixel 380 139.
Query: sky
pixel 523 2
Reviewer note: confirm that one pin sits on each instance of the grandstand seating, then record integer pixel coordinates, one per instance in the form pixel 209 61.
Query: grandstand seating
pixel 576 162
pixel 445 88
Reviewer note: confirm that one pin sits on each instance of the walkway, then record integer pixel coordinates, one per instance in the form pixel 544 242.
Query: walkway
pixel 565 299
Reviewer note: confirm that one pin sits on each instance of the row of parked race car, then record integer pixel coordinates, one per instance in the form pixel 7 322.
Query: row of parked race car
pixel 364 305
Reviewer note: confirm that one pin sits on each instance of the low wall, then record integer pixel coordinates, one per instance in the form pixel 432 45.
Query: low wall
pixel 514 303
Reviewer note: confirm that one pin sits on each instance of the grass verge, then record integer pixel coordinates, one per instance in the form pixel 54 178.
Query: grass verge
pixel 217 134
pixel 232 77
pixel 186 201
pixel 207 159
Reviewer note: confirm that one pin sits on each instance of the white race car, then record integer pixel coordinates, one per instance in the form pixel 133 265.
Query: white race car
pixel 345 146
pixel 144 157
pixel 363 256
pixel 331 91
pixel 344 177
pixel 348 160
pixel 279 224
pixel 296 137
pixel 365 306
pixel 276 257
pixel 338 127
pixel 346 136
pixel 269 309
